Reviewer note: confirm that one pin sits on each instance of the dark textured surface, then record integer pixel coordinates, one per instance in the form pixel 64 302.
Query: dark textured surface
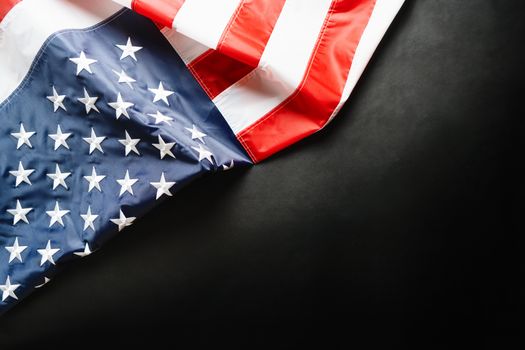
pixel 398 222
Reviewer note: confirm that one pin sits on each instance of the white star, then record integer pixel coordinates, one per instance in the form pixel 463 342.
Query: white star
pixel 84 253
pixel 163 187
pixel 15 250
pixel 203 153
pixel 130 144
pixel 126 183
pixel 129 50
pixel 120 106
pixel 94 141
pixel 23 137
pixel 94 180
pixel 123 221
pixel 88 219
pixel 164 148
pixel 22 175
pixel 161 118
pixel 83 62
pixel 47 254
pixel 59 178
pixel 8 289
pixel 228 167
pixel 161 94
pixel 124 78
pixel 46 281
pixel 196 133
pixel 89 102
pixel 19 213
pixel 58 100
pixel 56 215
pixel 60 138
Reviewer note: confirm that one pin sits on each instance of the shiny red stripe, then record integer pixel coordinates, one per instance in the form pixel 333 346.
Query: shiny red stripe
pixel 216 72
pixel 249 29
pixel 312 104
pixel 240 47
pixel 6 6
pixel 159 11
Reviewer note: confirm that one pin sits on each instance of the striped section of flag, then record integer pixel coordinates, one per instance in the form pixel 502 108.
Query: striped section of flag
pixel 277 70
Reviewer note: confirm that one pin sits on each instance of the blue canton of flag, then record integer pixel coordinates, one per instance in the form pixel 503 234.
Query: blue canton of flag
pixel 107 123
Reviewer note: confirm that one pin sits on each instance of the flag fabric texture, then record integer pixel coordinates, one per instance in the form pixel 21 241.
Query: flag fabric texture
pixel 107 111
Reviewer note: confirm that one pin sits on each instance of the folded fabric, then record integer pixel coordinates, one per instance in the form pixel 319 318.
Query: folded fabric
pixel 105 112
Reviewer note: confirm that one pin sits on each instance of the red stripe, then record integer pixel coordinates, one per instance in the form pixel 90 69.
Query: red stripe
pixel 312 104
pixel 160 11
pixel 216 72
pixel 6 6
pixel 240 47
pixel 249 29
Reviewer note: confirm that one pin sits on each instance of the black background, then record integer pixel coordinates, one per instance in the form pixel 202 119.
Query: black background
pixel 397 223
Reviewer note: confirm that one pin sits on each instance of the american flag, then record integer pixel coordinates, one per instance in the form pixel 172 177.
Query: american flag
pixel 106 111
pixel 107 123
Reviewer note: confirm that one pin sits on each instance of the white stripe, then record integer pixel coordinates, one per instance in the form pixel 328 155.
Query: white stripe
pixel 205 20
pixel 382 16
pixel 282 67
pixel 125 3
pixel 188 49
pixel 31 22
